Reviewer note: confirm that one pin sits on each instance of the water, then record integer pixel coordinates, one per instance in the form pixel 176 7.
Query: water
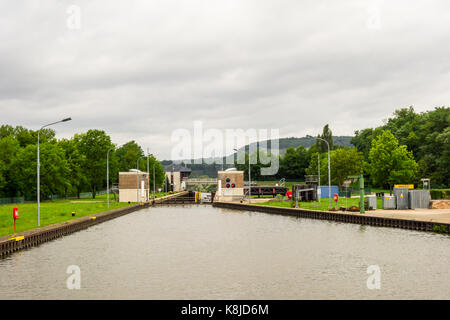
pixel 200 252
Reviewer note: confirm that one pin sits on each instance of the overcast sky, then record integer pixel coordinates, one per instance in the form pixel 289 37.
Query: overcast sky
pixel 141 69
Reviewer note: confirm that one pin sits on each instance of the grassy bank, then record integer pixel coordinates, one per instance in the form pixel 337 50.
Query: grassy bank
pixel 288 184
pixel 315 205
pixel 56 211
pixel 51 212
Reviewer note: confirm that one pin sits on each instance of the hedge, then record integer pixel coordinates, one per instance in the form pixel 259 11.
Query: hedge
pixel 440 194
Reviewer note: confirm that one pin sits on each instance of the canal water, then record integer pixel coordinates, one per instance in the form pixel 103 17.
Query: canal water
pixel 201 252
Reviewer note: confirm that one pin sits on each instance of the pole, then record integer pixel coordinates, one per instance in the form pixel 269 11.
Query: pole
pixel 329 173
pixel 38 171
pixel 249 179
pixel 148 173
pixel 361 194
pixel 107 178
pixel 318 166
pixel 329 178
pixel 38 185
pixel 153 180
pixel 107 174
pixel 137 179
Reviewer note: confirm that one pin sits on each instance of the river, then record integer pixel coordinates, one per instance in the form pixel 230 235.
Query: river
pixel 201 252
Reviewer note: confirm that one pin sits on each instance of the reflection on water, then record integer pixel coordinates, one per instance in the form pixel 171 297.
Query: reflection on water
pixel 200 252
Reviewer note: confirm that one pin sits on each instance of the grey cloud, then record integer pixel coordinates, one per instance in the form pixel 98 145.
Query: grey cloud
pixel 140 70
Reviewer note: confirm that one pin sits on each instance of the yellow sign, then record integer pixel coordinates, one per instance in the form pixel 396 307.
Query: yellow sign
pixel 20 238
pixel 409 186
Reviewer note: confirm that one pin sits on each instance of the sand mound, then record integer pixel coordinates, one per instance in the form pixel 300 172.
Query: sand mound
pixel 441 204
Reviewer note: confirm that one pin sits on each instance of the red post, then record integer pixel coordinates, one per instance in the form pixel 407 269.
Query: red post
pixel 15 216
pixel 336 198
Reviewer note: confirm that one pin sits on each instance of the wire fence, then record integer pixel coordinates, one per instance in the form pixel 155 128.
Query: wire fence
pixel 12 200
pixel 20 200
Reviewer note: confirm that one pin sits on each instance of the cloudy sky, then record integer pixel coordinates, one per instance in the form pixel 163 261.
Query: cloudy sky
pixel 142 69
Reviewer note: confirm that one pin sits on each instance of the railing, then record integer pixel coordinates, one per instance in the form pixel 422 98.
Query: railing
pixel 201 181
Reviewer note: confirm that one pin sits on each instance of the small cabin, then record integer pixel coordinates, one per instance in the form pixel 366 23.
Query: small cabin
pixel 230 185
pixel 133 186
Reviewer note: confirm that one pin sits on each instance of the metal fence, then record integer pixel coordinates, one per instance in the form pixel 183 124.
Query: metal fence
pixel 12 200
pixel 20 200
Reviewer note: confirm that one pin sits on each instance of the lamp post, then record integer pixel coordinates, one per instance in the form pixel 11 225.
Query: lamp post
pixel 137 178
pixel 38 170
pixel 154 180
pixel 318 166
pixel 153 166
pixel 107 175
pixel 329 172
pixel 148 169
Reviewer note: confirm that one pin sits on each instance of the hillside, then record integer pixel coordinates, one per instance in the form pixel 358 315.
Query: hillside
pixel 284 143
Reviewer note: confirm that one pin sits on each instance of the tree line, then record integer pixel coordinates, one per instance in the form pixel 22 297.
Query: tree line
pixel 407 147
pixel 68 167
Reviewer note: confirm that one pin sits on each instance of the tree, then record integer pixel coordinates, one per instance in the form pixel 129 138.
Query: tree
pixel 345 162
pixel 77 177
pixel 94 144
pixel 255 165
pixel 128 155
pixel 404 125
pixel 313 166
pixel 9 148
pixel 419 132
pixel 2 177
pixel 390 162
pixel 159 172
pixel 53 170
pixel 294 163
pixel 363 140
pixel 326 135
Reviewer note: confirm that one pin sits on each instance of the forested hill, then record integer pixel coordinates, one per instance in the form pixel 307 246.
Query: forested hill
pixel 284 143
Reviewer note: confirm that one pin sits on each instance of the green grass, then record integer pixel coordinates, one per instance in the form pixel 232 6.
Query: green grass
pixel 161 194
pixel 288 184
pixel 111 197
pixel 51 212
pixel 56 211
pixel 315 205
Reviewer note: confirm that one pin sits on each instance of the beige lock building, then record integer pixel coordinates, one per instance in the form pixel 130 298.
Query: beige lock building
pixel 177 176
pixel 230 185
pixel 133 186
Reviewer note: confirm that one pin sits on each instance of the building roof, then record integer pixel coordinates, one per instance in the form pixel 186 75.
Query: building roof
pixel 176 168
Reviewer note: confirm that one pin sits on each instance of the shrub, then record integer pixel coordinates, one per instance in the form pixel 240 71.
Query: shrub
pixel 440 194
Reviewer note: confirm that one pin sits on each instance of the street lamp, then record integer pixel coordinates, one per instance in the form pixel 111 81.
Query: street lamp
pixel 137 177
pixel 38 171
pixel 329 173
pixel 148 155
pixel 107 174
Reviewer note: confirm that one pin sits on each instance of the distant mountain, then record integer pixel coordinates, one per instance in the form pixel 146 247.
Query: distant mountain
pixel 284 143
pixel 293 142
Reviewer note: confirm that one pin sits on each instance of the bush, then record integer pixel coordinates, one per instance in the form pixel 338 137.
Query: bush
pixel 440 194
